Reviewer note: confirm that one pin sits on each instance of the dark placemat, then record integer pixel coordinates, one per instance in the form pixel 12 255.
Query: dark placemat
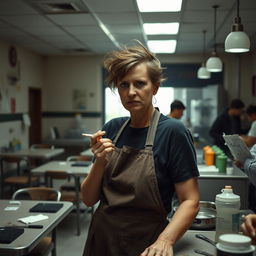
pixel 46 207
pixel 9 234
pixel 81 164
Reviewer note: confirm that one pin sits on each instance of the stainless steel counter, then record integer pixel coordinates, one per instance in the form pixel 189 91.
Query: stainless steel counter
pixel 211 184
pixel 186 245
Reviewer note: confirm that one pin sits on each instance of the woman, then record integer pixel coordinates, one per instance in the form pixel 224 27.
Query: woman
pixel 140 162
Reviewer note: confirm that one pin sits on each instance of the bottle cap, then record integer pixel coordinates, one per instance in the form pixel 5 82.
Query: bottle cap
pixel 222 156
pixel 227 195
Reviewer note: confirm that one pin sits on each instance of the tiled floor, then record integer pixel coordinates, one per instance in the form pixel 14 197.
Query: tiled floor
pixel 68 243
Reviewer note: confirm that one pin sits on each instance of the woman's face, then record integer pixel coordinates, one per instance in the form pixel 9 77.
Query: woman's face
pixel 136 89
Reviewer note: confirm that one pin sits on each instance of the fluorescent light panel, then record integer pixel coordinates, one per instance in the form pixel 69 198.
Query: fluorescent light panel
pixel 161 28
pixel 159 5
pixel 162 46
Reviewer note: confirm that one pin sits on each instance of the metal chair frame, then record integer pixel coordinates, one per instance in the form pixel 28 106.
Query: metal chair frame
pixel 41 193
pixel 50 175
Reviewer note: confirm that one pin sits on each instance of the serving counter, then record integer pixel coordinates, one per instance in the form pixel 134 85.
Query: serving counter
pixel 211 184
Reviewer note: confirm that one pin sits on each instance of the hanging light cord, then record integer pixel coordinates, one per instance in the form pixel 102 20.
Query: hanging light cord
pixel 204 31
pixel 215 16
pixel 238 26
pixel 237 9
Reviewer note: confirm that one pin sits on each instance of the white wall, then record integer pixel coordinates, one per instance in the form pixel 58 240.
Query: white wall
pixel 63 75
pixel 58 76
pixel 31 75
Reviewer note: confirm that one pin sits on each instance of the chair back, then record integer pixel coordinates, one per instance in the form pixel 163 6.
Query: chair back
pixel 37 193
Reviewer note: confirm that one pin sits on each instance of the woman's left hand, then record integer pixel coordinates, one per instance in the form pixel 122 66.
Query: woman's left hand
pixel 159 248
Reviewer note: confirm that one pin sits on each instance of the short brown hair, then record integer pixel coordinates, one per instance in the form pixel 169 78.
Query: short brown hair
pixel 118 63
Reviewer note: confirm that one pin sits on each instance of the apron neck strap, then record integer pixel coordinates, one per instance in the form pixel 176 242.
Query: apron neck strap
pixel 151 130
pixel 121 130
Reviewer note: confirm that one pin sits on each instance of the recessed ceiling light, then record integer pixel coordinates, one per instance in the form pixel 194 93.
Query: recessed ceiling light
pixel 161 28
pixel 162 46
pixel 159 5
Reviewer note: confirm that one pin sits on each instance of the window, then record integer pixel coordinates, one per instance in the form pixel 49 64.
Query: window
pixel 114 107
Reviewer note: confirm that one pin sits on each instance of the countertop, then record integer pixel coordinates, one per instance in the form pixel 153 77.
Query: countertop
pixel 186 245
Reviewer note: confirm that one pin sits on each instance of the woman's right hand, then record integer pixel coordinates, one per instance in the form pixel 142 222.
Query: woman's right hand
pixel 101 147
pixel 249 227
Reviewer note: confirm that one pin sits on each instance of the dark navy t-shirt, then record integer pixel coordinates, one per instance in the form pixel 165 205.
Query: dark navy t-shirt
pixel 173 150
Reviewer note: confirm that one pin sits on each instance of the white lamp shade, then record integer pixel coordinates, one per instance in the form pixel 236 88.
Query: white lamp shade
pixel 237 41
pixel 214 64
pixel 203 73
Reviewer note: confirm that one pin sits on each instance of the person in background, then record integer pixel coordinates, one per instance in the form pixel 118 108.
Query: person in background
pixel 250 139
pixel 249 167
pixel 248 227
pixel 177 109
pixel 140 162
pixel 227 122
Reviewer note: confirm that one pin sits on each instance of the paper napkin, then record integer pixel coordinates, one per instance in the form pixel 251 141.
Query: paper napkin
pixel 33 218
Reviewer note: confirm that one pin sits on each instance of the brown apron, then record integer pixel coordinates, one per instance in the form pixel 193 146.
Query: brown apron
pixel 131 214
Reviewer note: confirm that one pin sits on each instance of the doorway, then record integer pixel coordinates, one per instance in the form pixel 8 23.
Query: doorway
pixel 35 114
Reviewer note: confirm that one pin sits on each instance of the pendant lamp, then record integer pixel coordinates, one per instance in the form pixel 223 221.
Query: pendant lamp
pixel 214 63
pixel 237 41
pixel 202 72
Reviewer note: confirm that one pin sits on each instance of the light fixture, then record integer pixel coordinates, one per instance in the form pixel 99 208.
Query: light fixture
pixel 162 46
pixel 202 72
pixel 159 5
pixel 171 28
pixel 214 63
pixel 237 41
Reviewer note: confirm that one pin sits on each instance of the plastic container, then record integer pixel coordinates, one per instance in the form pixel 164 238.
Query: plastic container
pixel 207 147
pixel 209 157
pixel 221 163
pixel 234 245
pixel 227 208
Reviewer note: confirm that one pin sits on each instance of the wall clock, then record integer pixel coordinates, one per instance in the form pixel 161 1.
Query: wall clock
pixel 13 56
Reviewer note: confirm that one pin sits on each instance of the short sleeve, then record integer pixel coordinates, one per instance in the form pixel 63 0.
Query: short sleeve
pixel 183 157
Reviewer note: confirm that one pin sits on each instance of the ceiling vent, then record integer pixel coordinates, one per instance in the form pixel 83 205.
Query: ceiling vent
pixel 59 7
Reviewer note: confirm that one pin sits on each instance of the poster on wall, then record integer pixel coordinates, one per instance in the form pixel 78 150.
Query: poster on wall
pixel 4 101
pixel 79 99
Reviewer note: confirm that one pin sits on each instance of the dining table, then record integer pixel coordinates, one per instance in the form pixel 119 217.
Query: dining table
pixel 12 210
pixel 78 169
pixel 35 153
pixel 87 152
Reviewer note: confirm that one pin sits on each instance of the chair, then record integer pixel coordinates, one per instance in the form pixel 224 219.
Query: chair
pixel 54 133
pixel 70 185
pixel 48 243
pixel 71 196
pixel 17 180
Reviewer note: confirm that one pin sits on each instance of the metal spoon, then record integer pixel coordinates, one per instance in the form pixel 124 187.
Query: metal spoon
pixel 205 239
pixel 202 252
